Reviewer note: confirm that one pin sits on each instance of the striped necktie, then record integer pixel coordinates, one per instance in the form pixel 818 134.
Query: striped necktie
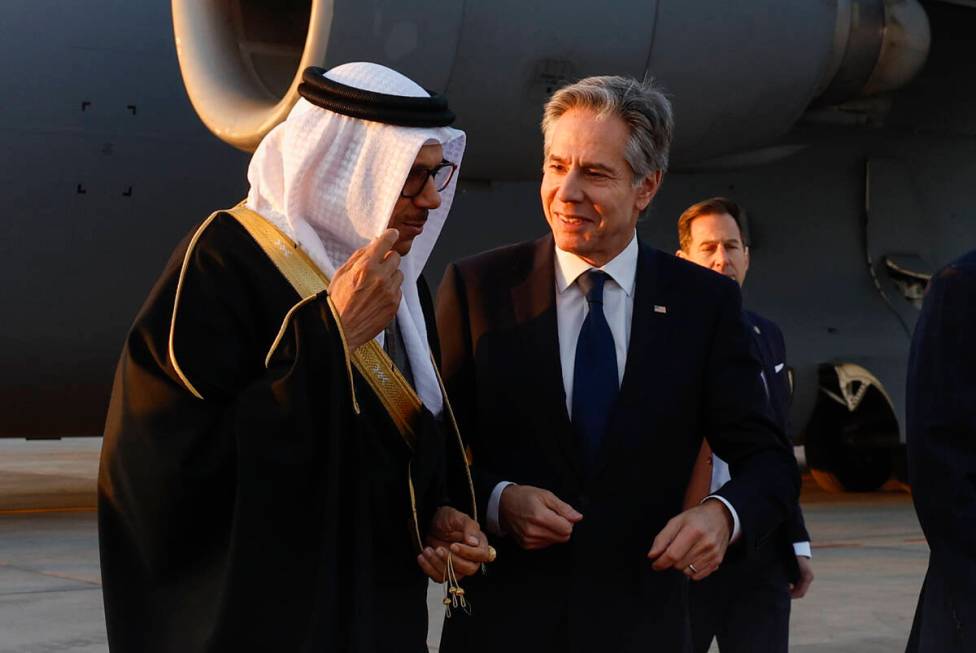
pixel 393 346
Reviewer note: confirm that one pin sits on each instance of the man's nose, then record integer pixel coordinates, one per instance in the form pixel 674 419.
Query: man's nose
pixel 429 197
pixel 570 188
pixel 721 258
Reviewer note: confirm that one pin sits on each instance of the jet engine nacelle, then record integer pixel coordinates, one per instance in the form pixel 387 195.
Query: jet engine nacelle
pixel 740 74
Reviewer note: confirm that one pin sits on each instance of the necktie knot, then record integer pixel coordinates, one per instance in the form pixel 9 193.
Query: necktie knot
pixel 591 284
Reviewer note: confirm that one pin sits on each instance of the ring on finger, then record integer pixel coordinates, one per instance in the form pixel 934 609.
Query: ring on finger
pixel 693 569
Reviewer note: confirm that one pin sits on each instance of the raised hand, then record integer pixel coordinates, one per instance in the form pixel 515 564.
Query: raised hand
pixel 366 290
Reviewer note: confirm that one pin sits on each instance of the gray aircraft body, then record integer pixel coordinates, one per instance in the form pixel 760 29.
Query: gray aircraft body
pixel 847 128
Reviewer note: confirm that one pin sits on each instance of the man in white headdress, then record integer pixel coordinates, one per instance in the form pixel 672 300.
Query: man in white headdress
pixel 280 468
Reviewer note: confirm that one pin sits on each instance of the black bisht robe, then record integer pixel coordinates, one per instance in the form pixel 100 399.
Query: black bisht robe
pixel 268 516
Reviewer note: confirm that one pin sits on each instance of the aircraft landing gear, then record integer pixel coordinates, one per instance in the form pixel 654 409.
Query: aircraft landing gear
pixel 852 436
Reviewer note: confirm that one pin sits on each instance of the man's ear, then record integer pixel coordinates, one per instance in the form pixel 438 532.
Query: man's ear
pixel 649 186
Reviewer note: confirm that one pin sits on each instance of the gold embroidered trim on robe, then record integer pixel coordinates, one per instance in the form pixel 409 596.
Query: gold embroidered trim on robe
pixel 393 390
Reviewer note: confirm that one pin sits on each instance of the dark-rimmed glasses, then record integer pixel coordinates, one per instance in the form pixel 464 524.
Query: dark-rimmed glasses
pixel 441 174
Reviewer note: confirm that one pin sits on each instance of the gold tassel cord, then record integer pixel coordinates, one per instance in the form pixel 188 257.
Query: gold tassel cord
pixel 454 596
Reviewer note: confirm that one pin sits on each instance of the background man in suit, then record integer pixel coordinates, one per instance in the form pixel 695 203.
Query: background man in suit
pixel 941 430
pixel 745 604
pixel 584 368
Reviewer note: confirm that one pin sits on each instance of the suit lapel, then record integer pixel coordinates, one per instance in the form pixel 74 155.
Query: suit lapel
pixel 646 322
pixel 534 304
pixel 777 386
pixel 759 342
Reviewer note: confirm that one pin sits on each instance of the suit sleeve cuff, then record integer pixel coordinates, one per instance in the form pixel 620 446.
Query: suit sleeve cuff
pixel 491 514
pixel 736 526
pixel 802 549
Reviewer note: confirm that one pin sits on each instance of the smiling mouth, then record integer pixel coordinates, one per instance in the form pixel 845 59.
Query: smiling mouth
pixel 572 219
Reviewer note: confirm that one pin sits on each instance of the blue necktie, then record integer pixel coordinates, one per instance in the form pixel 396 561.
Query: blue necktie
pixel 595 371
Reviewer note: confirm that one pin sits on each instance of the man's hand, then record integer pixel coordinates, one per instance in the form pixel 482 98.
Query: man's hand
pixel 698 536
pixel 799 589
pixel 453 529
pixel 366 289
pixel 536 518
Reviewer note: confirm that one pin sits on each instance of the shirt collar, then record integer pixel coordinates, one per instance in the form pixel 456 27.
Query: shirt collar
pixel 622 268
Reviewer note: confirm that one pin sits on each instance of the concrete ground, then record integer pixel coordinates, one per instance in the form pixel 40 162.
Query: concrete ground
pixel 50 589
pixel 869 558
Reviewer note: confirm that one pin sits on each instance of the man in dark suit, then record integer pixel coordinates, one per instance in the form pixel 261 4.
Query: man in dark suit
pixel 746 604
pixel 941 431
pixel 584 368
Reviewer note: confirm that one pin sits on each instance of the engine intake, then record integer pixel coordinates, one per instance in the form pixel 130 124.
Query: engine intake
pixel 242 60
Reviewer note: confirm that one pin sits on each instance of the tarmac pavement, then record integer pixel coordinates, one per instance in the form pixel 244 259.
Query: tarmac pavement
pixel 869 560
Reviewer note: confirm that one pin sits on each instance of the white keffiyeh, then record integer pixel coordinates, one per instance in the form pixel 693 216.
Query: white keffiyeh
pixel 330 183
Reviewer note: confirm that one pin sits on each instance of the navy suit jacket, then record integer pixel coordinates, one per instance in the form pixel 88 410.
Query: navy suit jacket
pixel 941 438
pixel 769 348
pixel 688 372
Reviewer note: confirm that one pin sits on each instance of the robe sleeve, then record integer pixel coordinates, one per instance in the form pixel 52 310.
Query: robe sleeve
pixel 300 537
pixel 228 522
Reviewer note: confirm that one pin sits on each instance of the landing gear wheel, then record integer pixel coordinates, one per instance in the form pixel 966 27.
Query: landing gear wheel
pixel 852 436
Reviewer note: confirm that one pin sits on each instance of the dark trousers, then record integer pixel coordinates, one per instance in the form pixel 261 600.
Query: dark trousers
pixel 745 605
pixel 527 635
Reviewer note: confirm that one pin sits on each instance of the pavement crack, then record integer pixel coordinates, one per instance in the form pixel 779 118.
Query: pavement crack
pixel 49 591
pixel 50 574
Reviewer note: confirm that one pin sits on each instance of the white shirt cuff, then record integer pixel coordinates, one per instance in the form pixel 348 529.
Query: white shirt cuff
pixel 491 514
pixel 802 549
pixel 736 527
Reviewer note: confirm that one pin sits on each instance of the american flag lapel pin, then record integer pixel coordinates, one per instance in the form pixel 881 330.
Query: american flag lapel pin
pixel 660 309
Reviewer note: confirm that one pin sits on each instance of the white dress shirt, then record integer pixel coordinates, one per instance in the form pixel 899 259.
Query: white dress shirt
pixel 571 310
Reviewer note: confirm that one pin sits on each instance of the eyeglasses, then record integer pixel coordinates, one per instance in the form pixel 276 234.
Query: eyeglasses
pixel 442 174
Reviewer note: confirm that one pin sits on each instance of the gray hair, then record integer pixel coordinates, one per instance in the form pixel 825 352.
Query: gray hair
pixel 641 105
